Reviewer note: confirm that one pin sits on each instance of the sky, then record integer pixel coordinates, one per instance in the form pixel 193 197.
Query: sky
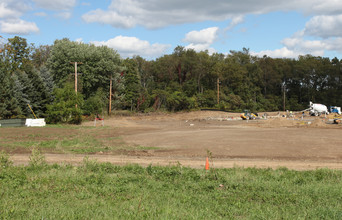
pixel 152 28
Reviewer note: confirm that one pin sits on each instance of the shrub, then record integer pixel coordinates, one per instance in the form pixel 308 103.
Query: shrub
pixel 63 108
pixel 96 103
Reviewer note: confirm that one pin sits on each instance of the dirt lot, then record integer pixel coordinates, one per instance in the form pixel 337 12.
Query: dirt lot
pixel 188 138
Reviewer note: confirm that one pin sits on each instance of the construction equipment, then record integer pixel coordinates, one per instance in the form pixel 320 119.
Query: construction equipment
pixel 247 115
pixel 317 109
pixel 32 111
pixel 335 109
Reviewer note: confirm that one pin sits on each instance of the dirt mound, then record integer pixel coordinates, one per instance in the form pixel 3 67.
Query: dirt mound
pixel 196 115
pixel 124 120
pixel 318 123
pixel 277 122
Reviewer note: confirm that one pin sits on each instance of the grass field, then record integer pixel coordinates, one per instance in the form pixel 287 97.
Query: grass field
pixel 64 139
pixel 104 191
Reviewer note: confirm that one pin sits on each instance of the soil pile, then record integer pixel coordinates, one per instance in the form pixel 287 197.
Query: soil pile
pixel 318 123
pixel 277 122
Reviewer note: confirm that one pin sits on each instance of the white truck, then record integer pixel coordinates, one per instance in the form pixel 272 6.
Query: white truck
pixel 318 109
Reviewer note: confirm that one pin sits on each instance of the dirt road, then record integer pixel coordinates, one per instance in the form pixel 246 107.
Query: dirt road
pixel 199 162
pixel 188 138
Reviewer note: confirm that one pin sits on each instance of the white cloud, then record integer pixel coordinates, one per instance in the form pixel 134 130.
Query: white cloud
pixel 112 18
pixel 205 36
pixel 6 12
pixel 62 7
pixel 18 27
pixel 323 7
pixel 56 4
pixel 315 47
pixel 201 47
pixel 130 13
pixel 40 14
pixel 10 9
pixel 10 13
pixel 79 40
pixel 324 26
pixel 278 53
pixel 130 46
pixel 235 21
pixel 298 45
pixel 202 40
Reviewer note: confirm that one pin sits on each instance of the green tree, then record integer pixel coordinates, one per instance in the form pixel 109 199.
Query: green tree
pixel 39 96
pixel 8 103
pixel 17 52
pixel 63 109
pixel 132 83
pixel 96 103
pixel 19 94
pixel 40 56
pixel 118 88
pixel 97 64
pixel 48 82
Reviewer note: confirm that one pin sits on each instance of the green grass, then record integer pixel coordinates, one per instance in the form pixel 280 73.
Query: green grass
pixel 105 191
pixel 66 139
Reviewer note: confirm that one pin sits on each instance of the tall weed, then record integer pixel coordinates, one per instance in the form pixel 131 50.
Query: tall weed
pixel 37 159
pixel 4 160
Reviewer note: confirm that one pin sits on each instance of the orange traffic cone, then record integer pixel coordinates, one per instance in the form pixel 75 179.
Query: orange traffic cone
pixel 207 164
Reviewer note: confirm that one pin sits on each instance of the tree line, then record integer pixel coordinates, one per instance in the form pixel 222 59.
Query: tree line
pixel 44 76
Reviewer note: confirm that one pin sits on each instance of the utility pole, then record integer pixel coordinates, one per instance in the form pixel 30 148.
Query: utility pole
pixel 284 88
pixel 218 91
pixel 76 63
pixel 110 95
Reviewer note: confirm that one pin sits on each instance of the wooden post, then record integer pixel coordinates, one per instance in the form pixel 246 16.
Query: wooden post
pixel 218 91
pixel 75 77
pixel 75 63
pixel 110 95
pixel 284 88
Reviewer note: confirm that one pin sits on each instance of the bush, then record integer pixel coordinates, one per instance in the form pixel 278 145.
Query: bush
pixel 96 103
pixel 63 109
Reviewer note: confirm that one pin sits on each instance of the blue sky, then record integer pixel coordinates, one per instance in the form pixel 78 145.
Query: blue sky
pixel 152 28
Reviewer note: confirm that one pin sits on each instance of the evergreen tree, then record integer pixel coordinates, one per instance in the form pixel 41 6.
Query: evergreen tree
pixel 20 95
pixel 132 84
pixel 48 82
pixel 39 96
pixel 8 104
pixel 26 90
